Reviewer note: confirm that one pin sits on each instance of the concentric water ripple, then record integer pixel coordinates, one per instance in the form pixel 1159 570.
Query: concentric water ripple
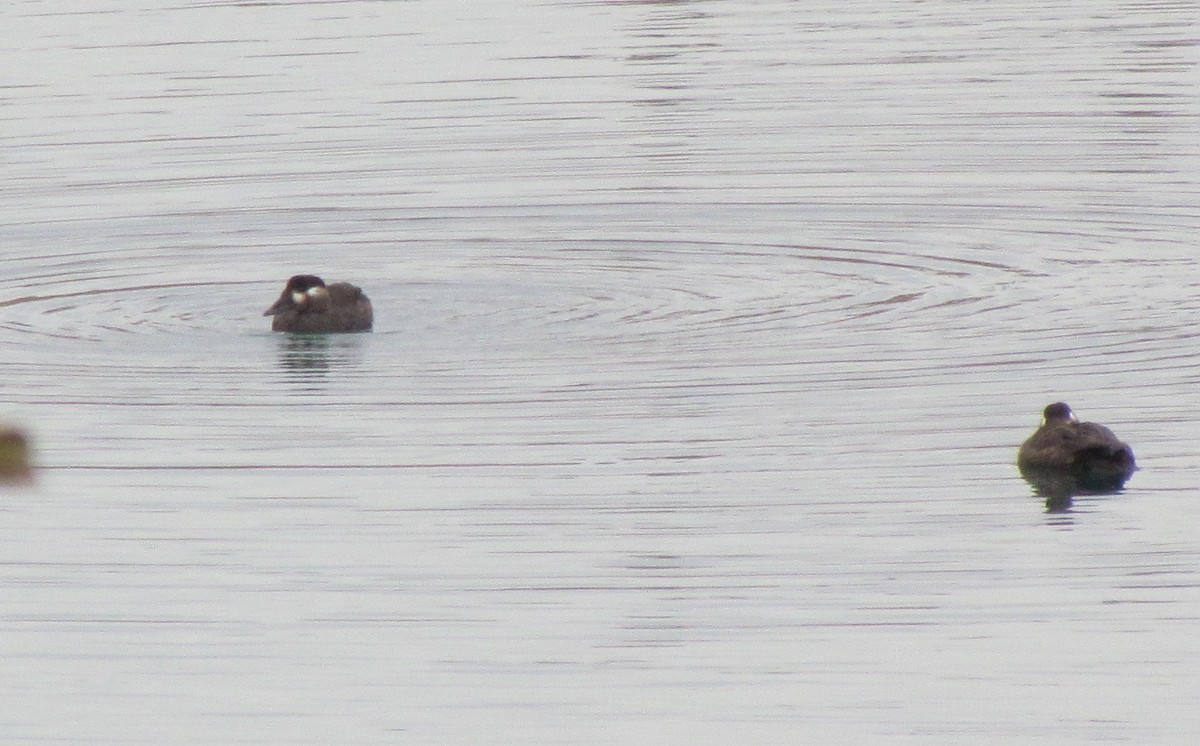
pixel 612 290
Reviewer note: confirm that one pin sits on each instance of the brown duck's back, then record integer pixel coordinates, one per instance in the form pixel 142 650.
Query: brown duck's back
pixel 1085 447
pixel 344 294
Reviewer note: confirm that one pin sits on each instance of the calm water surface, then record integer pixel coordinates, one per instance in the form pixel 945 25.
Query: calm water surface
pixel 706 334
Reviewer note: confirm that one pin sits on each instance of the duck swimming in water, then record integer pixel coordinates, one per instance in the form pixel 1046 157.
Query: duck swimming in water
pixel 309 306
pixel 1087 453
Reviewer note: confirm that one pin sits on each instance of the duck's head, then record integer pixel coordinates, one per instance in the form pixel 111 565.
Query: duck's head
pixel 302 292
pixel 1058 412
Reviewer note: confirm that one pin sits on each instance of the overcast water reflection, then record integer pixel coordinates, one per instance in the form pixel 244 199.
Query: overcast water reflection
pixel 706 333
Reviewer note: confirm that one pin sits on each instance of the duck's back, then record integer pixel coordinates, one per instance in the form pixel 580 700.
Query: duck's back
pixel 351 307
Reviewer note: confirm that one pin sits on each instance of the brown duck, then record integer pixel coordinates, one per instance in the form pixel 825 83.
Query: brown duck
pixel 309 306
pixel 1088 453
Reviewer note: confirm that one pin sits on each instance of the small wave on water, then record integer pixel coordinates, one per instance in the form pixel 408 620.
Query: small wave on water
pixel 91 315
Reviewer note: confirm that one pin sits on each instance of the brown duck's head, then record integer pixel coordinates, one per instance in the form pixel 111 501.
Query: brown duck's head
pixel 300 293
pixel 1058 412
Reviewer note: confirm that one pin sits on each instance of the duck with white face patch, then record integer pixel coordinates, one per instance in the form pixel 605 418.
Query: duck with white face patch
pixel 309 306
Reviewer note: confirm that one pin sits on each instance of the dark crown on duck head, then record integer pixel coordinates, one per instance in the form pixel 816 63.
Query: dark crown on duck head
pixel 303 283
pixel 1059 412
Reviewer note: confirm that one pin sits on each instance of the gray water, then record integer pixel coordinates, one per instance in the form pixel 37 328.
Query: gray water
pixel 706 333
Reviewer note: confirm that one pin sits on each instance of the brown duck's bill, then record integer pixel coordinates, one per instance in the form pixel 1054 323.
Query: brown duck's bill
pixel 279 306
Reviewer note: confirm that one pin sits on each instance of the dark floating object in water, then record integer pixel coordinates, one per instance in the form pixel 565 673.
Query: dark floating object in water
pixel 15 460
pixel 1066 456
pixel 309 306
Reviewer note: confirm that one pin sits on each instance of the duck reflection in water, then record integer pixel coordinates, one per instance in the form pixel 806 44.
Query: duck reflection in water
pixel 309 306
pixel 1067 457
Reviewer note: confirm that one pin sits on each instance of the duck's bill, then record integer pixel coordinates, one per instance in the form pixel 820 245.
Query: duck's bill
pixel 279 306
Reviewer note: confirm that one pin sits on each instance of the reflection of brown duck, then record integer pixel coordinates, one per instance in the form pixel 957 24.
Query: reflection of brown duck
pixel 308 305
pixel 1085 454
pixel 14 456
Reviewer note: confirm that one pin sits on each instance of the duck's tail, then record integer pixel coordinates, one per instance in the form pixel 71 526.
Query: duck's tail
pixel 1104 467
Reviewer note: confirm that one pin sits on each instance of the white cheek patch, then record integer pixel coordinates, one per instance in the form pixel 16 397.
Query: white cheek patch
pixel 299 298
